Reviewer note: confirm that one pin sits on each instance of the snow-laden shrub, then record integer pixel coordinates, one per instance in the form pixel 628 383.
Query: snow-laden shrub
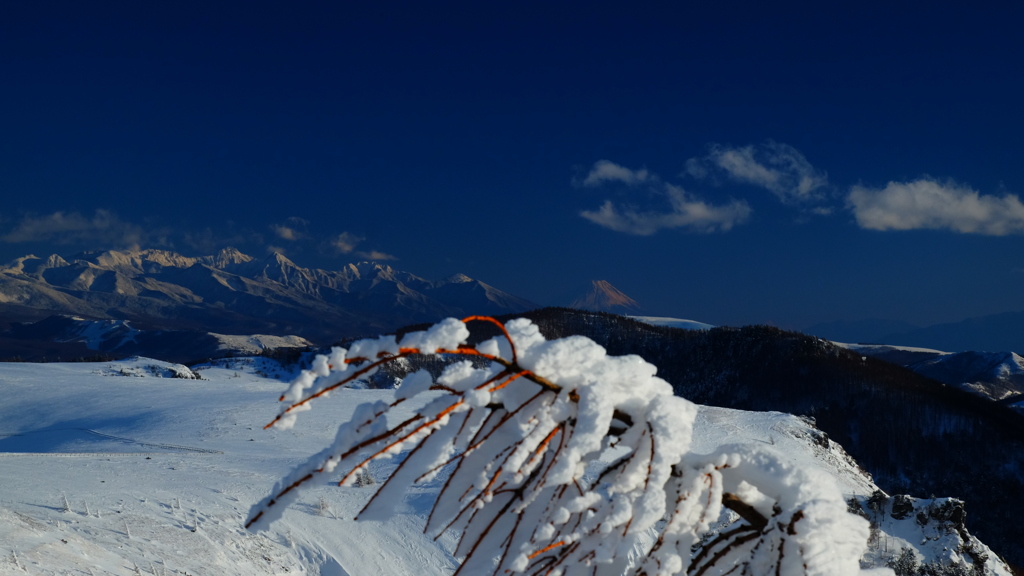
pixel 904 564
pixel 512 440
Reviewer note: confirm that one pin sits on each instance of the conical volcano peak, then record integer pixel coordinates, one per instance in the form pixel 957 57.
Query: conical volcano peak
pixel 603 297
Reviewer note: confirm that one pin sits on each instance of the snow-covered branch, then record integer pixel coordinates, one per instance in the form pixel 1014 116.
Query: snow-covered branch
pixel 512 441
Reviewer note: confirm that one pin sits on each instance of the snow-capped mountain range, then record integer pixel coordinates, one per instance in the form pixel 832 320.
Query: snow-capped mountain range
pixel 230 292
pixel 995 375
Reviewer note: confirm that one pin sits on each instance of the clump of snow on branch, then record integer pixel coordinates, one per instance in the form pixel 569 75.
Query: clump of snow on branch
pixel 512 440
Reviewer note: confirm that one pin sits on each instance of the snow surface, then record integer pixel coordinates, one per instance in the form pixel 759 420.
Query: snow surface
pixel 673 322
pixel 887 347
pixel 785 433
pixel 177 454
pixel 256 343
pixel 101 473
pixel 94 332
pixel 931 540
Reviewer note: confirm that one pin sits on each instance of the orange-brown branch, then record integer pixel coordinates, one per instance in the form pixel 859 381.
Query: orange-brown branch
pixel 510 379
pixel 500 326
pixel 291 487
pixel 385 357
pixel 544 444
pixel 337 385
pixel 546 548
pixel 430 422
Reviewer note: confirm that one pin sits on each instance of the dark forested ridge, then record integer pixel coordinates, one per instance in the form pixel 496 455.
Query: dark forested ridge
pixel 913 434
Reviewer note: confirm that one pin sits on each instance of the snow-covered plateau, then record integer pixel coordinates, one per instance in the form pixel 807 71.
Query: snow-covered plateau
pixel 123 468
pixel 673 322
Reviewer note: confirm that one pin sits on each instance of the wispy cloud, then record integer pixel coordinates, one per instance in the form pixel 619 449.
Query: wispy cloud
pixel 344 243
pixel 685 211
pixel 347 242
pixel 376 255
pixel 927 203
pixel 285 233
pixel 102 228
pixel 293 229
pixel 605 171
pixel 105 230
pixel 777 167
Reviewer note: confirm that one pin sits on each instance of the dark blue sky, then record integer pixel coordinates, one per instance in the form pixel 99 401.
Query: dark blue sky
pixel 734 163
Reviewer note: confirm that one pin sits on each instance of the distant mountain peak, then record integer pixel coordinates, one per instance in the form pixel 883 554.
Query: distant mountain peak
pixel 371 269
pixel 603 297
pixel 279 258
pixel 226 257
pixel 17 266
pixel 133 259
pixel 372 265
pixel 55 261
pixel 458 278
pixel 232 251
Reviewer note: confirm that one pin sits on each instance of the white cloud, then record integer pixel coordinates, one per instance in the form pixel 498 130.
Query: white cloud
pixel 345 242
pixel 929 204
pixel 286 233
pixel 375 255
pixel 686 212
pixel 777 167
pixel 294 228
pixel 104 227
pixel 607 171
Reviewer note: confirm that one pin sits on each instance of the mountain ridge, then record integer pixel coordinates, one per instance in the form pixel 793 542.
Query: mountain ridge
pixel 991 333
pixel 232 292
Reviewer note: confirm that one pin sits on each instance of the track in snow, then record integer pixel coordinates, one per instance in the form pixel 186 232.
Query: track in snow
pixel 21 443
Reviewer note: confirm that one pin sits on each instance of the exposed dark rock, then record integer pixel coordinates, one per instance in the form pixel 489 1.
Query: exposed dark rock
pixel 952 511
pixel 902 506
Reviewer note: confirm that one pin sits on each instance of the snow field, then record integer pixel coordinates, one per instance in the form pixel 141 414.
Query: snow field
pixel 159 496
pixel 167 470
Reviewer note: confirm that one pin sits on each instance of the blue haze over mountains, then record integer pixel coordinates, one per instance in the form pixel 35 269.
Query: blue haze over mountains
pixel 232 293
pixel 991 333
